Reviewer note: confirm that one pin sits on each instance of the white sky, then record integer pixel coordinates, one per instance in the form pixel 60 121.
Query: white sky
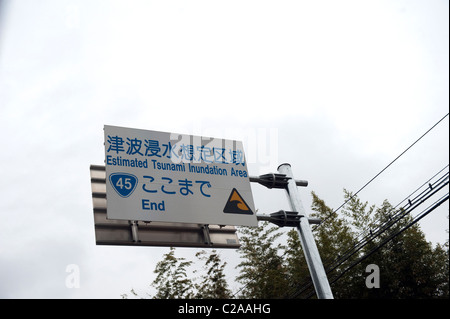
pixel 336 88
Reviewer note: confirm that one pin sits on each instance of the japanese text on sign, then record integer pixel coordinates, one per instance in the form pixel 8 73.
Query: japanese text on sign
pixel 178 152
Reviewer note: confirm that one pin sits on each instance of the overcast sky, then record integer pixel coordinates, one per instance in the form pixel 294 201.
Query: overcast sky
pixel 337 89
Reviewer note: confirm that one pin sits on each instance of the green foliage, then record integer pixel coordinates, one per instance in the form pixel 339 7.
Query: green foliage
pixel 262 271
pixel 335 239
pixel 213 284
pixel 172 281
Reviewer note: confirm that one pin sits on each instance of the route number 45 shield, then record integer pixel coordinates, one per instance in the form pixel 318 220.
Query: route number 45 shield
pixel 123 183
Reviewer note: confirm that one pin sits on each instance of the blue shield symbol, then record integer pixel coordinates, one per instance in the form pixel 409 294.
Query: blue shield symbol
pixel 123 183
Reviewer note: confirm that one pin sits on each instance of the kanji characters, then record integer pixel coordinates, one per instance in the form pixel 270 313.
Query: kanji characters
pixel 152 148
pixel 134 146
pixel 115 144
pixel 178 152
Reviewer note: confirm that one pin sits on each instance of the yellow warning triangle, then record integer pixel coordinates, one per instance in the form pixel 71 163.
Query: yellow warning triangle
pixel 236 204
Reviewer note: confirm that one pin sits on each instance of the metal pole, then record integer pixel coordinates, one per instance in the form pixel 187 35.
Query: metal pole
pixel 318 275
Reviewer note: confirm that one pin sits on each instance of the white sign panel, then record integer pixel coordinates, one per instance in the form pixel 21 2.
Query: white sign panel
pixel 168 177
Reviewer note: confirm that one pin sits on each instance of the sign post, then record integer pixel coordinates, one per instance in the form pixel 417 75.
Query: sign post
pixel 318 275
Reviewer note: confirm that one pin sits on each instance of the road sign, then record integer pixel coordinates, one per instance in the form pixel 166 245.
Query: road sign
pixel 132 233
pixel 169 177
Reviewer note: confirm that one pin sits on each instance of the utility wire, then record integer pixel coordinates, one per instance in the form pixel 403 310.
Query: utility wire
pixel 374 231
pixel 427 182
pixel 373 178
pixel 383 228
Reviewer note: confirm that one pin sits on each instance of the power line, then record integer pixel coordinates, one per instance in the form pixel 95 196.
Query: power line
pixel 392 221
pixel 427 182
pixel 373 178
pixel 373 231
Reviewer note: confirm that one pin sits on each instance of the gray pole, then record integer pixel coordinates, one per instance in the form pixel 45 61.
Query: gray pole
pixel 318 275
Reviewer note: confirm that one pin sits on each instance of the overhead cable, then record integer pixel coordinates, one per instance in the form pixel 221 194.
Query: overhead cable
pixel 392 162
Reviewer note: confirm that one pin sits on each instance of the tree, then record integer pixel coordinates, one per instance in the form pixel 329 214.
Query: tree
pixel 262 271
pixel 335 241
pixel 172 280
pixel 213 284
pixel 296 267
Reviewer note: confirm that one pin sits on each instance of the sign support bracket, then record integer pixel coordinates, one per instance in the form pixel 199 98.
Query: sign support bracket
pixel 206 235
pixel 286 218
pixel 134 230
